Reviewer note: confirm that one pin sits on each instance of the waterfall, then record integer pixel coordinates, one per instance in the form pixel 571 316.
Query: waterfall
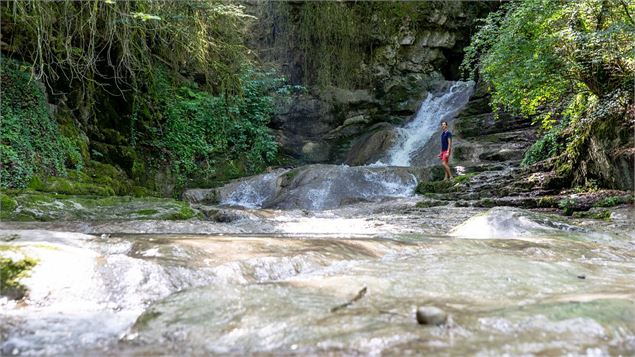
pixel 433 110
pixel 321 187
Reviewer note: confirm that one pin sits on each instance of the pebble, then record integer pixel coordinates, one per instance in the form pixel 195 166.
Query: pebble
pixel 430 315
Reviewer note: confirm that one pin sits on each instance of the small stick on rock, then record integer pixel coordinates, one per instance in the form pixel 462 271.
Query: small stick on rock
pixel 360 294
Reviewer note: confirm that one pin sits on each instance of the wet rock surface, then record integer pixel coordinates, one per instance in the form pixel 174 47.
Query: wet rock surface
pixel 398 73
pixel 200 195
pixel 431 315
pixel 37 206
pixel 320 187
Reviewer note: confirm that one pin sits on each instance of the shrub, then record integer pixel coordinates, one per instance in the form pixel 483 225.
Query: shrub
pixel 30 140
pixel 198 134
pixel 550 145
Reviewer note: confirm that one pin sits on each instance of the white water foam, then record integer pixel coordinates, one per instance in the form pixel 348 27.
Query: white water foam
pixel 389 184
pixel 252 192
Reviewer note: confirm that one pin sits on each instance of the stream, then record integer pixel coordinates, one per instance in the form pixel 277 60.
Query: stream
pixel 326 260
pixel 511 281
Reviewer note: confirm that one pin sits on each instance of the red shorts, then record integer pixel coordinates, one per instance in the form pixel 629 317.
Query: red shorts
pixel 445 156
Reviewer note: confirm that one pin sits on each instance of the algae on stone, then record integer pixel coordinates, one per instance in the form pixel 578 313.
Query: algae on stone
pixel 38 206
pixel 11 271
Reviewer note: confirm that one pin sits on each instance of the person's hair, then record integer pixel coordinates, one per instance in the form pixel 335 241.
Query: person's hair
pixel 446 123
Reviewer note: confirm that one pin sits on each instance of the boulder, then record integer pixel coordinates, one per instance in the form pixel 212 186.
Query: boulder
pixel 201 195
pixel 303 119
pixel 320 187
pixel 372 146
pixel 315 151
pixel 254 191
pixel 431 315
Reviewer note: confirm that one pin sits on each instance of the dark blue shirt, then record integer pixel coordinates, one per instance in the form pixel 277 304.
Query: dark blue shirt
pixel 444 140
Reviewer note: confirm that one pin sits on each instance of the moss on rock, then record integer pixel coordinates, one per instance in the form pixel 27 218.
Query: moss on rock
pixel 602 214
pixel 430 203
pixel 11 271
pixel 464 178
pixel 7 204
pixel 147 212
pixel 444 186
pixel 614 201
pixel 487 202
pixel 70 187
pixel 435 187
pixel 185 212
pixel 547 202
pixel 40 206
pixel 98 179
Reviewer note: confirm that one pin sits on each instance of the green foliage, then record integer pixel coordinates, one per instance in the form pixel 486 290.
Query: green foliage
pixel 614 201
pixel 601 214
pixel 461 179
pixel 558 61
pixel 93 40
pixel 481 42
pixel 11 272
pixel 603 118
pixel 541 55
pixel 198 134
pixel 7 205
pixel 30 140
pixel 549 145
pixel 567 205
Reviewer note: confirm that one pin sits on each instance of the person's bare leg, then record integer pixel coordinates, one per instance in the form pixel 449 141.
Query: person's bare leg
pixel 448 172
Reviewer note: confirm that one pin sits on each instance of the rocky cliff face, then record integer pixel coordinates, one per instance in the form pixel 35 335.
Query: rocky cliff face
pixel 606 145
pixel 329 124
pixel 483 140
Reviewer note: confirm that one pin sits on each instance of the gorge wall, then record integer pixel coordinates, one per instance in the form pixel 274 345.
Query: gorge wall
pixel 353 123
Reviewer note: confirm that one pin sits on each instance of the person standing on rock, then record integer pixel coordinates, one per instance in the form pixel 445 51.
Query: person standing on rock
pixel 446 150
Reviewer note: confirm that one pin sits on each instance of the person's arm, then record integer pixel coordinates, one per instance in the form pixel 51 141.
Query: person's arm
pixel 449 146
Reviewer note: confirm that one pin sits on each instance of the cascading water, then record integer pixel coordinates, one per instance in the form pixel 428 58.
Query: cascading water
pixel 537 284
pixel 434 109
pixel 320 187
pixel 253 191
